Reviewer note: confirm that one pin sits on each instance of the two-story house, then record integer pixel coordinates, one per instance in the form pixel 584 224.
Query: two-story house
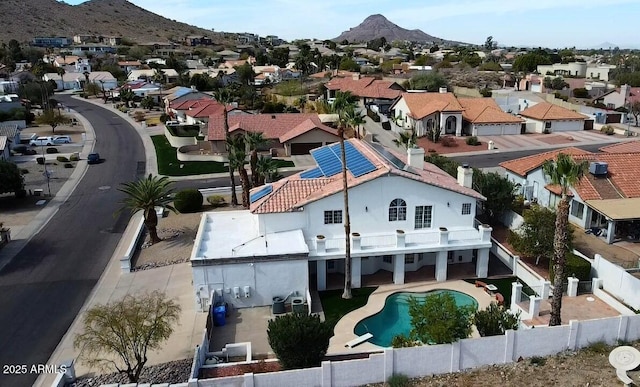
pixel 407 217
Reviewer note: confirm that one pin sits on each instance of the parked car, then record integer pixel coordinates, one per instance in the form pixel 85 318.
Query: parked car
pixel 39 141
pixel 93 158
pixel 62 139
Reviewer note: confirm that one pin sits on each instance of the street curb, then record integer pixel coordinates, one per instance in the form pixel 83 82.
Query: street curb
pixel 9 252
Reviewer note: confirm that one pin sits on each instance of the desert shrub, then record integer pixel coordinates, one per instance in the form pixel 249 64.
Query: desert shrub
pixel 51 150
pixel 188 200
pixel 495 320
pixel 68 165
pixel 398 380
pixel 598 347
pixel 402 341
pixel 581 93
pixel 215 200
pixel 286 333
pixel 40 160
pixel 138 116
pixel 74 158
pixel 575 266
pixel 538 360
pixel 62 159
pixel 164 117
pixel 608 130
pixel 486 92
pixel 473 140
pixel 448 141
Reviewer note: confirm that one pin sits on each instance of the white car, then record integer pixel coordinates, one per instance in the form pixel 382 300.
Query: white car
pixel 62 139
pixel 39 141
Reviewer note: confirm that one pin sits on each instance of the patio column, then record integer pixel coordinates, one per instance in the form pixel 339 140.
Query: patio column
pixel 482 265
pixel 356 270
pixel 321 275
pixel 441 266
pixel 398 269
pixel 611 231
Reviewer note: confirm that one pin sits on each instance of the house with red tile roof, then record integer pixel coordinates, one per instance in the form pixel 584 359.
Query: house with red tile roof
pixel 407 216
pixel 293 133
pixel 607 197
pixel 454 116
pixel 198 111
pixel 545 117
pixel 370 90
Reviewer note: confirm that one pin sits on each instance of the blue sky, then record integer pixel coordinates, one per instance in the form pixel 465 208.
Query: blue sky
pixel 550 23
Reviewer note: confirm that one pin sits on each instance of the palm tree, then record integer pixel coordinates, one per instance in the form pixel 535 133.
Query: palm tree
pixel 255 140
pixel 563 172
pixel 407 139
pixel 354 120
pixel 266 169
pixel 126 96
pixel 146 195
pixel 223 95
pixel 342 125
pixel 237 160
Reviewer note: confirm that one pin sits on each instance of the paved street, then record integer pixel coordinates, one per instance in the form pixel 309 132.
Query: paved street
pixel 44 287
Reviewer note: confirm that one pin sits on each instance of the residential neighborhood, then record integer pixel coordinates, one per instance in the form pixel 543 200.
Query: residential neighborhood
pixel 196 207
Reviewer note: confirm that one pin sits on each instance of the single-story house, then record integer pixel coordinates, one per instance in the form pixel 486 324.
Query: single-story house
pixel 177 95
pixel 483 117
pixel 141 88
pixel 606 198
pixel 545 117
pixel 129 65
pixel 427 111
pixel 198 111
pixel 295 133
pixel 368 89
pixel 75 81
pixel 407 216
pixel 170 75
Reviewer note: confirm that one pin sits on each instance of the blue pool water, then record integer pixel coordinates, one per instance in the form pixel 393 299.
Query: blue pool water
pixel 394 318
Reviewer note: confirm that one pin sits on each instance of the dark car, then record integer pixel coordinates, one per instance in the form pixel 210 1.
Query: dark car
pixel 93 158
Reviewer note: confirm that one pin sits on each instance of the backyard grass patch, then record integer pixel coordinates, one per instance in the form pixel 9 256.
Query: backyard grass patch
pixel 335 307
pixel 284 163
pixel 168 163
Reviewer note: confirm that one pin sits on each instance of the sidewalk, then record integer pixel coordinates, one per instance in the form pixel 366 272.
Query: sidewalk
pixel 20 238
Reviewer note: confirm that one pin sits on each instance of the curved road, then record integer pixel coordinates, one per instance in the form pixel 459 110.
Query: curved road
pixel 46 284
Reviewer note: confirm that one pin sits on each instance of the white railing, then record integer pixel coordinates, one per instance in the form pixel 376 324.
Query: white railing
pixel 378 241
pixel 463 235
pixel 423 238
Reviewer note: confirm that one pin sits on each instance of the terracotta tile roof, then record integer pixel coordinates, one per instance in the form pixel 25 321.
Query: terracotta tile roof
pixel 549 112
pixel 524 165
pixel 273 126
pixel 556 189
pixel 130 63
pixel 293 192
pixel 307 126
pixel 485 111
pixel 212 108
pixel 190 103
pixel 366 87
pixel 621 182
pixel 423 104
pixel 622 147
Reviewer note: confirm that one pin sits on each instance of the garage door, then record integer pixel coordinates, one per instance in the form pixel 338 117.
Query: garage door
pixel 303 148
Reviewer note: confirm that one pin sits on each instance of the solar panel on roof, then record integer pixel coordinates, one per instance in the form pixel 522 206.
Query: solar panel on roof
pixel 357 164
pixel 388 156
pixel 183 91
pixel 311 174
pixel 261 193
pixel 327 160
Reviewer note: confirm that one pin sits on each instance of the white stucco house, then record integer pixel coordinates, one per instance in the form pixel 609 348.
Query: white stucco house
pixel 407 217
pixel 578 70
pixel 607 197
pixel 454 116
pixel 75 81
pixel 546 117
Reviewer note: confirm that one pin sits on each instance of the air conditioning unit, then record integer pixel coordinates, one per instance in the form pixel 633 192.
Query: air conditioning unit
pixel 598 168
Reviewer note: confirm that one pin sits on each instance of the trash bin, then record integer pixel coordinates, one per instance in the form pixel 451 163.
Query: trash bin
pixel 278 305
pixel 219 318
pixel 491 145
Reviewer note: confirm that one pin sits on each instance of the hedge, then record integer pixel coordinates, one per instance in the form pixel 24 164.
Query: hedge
pixel 188 200
pixel 575 266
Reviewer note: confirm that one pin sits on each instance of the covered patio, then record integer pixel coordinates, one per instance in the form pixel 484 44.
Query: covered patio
pixel 621 216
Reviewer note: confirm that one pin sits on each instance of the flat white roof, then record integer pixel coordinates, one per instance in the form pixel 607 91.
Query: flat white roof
pixel 236 234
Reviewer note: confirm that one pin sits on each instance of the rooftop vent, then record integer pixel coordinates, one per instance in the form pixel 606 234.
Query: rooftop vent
pixel 597 168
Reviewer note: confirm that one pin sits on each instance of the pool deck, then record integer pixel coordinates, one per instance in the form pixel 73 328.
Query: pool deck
pixel 343 331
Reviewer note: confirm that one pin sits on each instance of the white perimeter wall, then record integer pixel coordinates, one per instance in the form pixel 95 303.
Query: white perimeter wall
pixel 617 281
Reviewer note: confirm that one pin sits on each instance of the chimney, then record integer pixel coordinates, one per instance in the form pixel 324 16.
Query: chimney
pixel 415 157
pixel 443 90
pixel 356 76
pixel 465 175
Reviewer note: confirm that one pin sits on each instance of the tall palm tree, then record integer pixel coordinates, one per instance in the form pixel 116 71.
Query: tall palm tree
pixel 255 140
pixel 266 169
pixel 407 139
pixel 565 172
pixel 354 120
pixel 147 194
pixel 237 160
pixel 223 95
pixel 342 125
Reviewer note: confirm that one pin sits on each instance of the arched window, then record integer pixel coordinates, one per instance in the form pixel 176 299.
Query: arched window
pixel 397 210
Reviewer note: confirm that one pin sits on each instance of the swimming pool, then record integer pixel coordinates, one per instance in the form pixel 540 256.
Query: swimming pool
pixel 394 318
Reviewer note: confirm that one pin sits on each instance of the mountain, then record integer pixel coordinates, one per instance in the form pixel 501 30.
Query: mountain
pixel 378 26
pixel 23 20
pixel 605 46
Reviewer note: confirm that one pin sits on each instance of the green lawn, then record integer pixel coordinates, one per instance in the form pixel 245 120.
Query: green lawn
pixel 504 287
pixel 284 163
pixel 168 163
pixel 335 307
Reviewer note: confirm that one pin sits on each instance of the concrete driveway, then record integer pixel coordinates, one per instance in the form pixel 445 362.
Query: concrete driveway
pixel 384 137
